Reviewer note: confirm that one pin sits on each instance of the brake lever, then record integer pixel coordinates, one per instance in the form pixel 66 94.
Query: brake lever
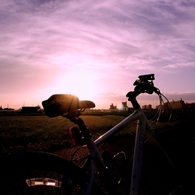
pixel 156 90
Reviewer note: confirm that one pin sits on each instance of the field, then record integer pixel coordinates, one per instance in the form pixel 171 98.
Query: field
pixel 21 133
pixel 40 133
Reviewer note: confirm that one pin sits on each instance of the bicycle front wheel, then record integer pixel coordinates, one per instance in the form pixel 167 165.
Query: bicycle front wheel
pixel 40 173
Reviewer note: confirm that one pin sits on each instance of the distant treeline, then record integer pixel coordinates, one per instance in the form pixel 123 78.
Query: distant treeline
pixel 175 114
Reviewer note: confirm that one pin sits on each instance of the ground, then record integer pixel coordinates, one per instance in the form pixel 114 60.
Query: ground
pixel 167 168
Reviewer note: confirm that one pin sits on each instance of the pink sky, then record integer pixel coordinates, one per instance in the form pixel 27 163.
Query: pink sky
pixel 95 49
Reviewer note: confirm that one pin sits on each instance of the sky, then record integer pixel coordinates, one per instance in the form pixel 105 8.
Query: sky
pixel 95 50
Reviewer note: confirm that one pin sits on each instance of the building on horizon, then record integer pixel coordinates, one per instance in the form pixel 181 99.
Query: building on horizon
pixel 112 107
pixel 124 106
pixel 147 107
pixel 31 109
pixel 2 109
pixel 178 105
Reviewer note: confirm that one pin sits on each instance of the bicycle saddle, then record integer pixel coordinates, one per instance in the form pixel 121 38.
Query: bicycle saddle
pixel 59 104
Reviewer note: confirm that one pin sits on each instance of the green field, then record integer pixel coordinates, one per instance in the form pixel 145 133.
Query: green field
pixel 22 133
pixel 39 132
pixel 19 133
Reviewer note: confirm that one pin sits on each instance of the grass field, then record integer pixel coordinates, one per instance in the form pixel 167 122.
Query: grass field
pixel 22 133
pixel 40 133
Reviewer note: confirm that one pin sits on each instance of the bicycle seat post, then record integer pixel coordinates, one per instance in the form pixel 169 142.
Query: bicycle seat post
pixel 94 154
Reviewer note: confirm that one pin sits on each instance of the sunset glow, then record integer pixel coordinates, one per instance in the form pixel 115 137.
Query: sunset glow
pixel 95 49
pixel 82 84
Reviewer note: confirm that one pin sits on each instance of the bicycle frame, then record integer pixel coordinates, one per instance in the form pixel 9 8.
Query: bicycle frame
pixel 142 126
pixel 45 161
pixel 143 85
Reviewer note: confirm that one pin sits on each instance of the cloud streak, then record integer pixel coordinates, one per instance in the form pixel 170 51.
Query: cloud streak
pixel 106 30
pixel 118 40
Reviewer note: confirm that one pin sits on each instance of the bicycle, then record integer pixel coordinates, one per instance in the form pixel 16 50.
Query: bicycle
pixel 41 172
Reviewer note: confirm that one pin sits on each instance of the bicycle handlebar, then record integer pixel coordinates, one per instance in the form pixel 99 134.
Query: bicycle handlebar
pixel 143 85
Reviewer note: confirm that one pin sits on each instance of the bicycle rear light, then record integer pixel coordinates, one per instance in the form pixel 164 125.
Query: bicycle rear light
pixel 75 136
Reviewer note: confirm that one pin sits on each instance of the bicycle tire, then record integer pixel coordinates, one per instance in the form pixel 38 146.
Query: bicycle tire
pixel 29 173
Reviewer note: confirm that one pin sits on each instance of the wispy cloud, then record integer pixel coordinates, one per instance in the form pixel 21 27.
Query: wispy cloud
pixel 123 39
pixel 104 30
